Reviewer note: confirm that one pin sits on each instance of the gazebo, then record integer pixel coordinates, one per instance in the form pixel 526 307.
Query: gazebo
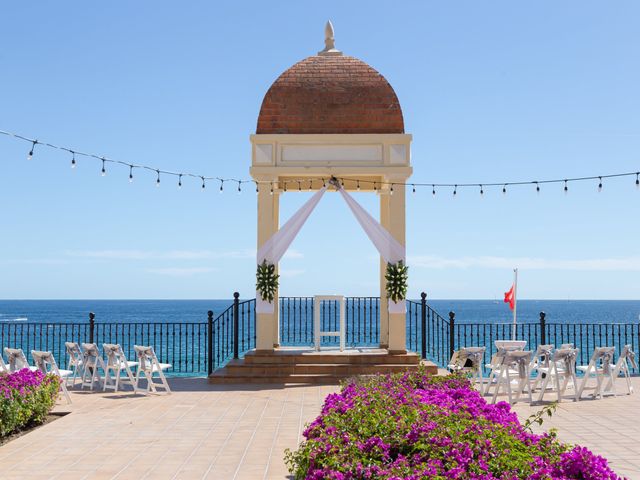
pixel 332 115
pixel 329 121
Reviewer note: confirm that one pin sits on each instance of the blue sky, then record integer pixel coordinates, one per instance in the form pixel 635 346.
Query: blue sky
pixel 490 91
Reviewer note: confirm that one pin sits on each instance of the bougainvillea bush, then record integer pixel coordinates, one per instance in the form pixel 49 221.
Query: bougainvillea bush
pixel 26 398
pixel 414 426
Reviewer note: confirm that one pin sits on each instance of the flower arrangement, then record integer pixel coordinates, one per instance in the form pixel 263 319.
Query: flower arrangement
pixel 397 278
pixel 267 281
pixel 412 426
pixel 26 398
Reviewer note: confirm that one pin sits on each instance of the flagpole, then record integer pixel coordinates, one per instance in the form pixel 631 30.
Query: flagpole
pixel 515 302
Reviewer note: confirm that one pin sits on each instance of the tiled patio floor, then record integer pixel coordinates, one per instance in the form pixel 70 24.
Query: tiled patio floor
pixel 240 432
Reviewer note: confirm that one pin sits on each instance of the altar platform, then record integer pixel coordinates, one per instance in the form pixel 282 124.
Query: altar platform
pixel 307 366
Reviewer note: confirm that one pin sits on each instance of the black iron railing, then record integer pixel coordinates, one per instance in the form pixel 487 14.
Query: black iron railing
pixel 202 347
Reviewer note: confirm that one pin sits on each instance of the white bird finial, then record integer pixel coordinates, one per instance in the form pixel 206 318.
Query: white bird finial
pixel 329 41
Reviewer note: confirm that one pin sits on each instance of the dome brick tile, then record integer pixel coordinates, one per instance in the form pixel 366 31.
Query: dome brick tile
pixel 330 94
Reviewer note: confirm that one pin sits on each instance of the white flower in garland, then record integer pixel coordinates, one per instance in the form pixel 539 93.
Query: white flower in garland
pixel 397 278
pixel 267 281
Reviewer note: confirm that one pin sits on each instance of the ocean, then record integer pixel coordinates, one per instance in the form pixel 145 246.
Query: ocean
pixel 166 311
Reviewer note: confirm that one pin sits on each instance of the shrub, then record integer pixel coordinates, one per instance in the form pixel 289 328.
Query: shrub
pixel 26 398
pixel 412 426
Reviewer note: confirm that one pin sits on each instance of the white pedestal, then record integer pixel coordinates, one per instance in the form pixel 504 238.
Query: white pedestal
pixel 317 300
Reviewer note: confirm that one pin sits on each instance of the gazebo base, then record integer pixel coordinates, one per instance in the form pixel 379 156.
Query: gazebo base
pixel 306 366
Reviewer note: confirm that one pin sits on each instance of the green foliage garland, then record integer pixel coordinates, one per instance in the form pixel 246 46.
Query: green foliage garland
pixel 397 277
pixel 267 281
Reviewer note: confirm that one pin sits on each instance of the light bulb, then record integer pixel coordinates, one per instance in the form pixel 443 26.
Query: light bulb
pixel 600 184
pixel 221 185
pixel 433 189
pixel 566 189
pixel 73 160
pixel 30 154
pixel 239 189
pixel 414 189
pixel 180 181
pixel 130 173
pixel 358 185
pixel 637 180
pixel 103 172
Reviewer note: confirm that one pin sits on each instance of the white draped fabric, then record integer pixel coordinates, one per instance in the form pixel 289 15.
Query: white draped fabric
pixel 274 248
pixel 389 248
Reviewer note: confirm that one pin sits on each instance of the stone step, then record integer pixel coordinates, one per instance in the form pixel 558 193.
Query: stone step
pixel 293 357
pixel 239 372
pixel 260 369
pixel 313 379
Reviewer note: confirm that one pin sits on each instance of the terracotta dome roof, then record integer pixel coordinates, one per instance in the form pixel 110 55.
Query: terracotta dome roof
pixel 330 94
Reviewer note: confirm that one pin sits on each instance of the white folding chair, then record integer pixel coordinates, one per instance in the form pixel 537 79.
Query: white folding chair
pixel 92 361
pixel 502 347
pixel 622 366
pixel 46 363
pixel 116 363
pixel 514 367
pixel 561 367
pixel 3 366
pixel 148 364
pixel 541 358
pixel 469 360
pixel 75 361
pixel 599 367
pixel 17 360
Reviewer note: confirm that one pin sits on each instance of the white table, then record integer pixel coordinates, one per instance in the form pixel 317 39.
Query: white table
pixel 317 304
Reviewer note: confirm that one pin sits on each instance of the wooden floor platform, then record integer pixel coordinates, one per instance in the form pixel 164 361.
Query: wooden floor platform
pixel 307 366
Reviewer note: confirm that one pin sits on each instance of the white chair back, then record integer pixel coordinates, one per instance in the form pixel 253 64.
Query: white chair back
pixel 91 362
pixel 116 362
pixel 148 364
pixel 46 363
pixel 560 370
pixel 600 366
pixel 16 359
pixel 514 366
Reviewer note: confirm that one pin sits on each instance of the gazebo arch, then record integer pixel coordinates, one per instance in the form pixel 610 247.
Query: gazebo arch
pixel 331 115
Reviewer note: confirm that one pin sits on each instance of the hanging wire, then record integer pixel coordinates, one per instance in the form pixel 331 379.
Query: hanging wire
pixel 75 153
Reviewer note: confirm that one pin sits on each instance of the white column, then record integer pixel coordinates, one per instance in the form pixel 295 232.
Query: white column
pixel 384 303
pixel 395 224
pixel 267 334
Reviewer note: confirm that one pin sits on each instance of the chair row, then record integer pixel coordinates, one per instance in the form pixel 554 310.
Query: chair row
pixel 85 363
pixel 516 370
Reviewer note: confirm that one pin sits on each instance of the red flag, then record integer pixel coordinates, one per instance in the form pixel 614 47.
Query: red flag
pixel 510 298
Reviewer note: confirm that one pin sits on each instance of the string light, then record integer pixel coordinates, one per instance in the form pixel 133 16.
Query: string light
pixel 257 189
pixel 324 183
pixel 391 191
pixel 600 184
pixel 239 188
pixel 414 185
pixel 130 173
pixel 203 183
pixel 33 145
pixel 158 178
pixel 271 192
pixel 285 186
pixel 299 186
pixel 481 190
pixel 455 190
